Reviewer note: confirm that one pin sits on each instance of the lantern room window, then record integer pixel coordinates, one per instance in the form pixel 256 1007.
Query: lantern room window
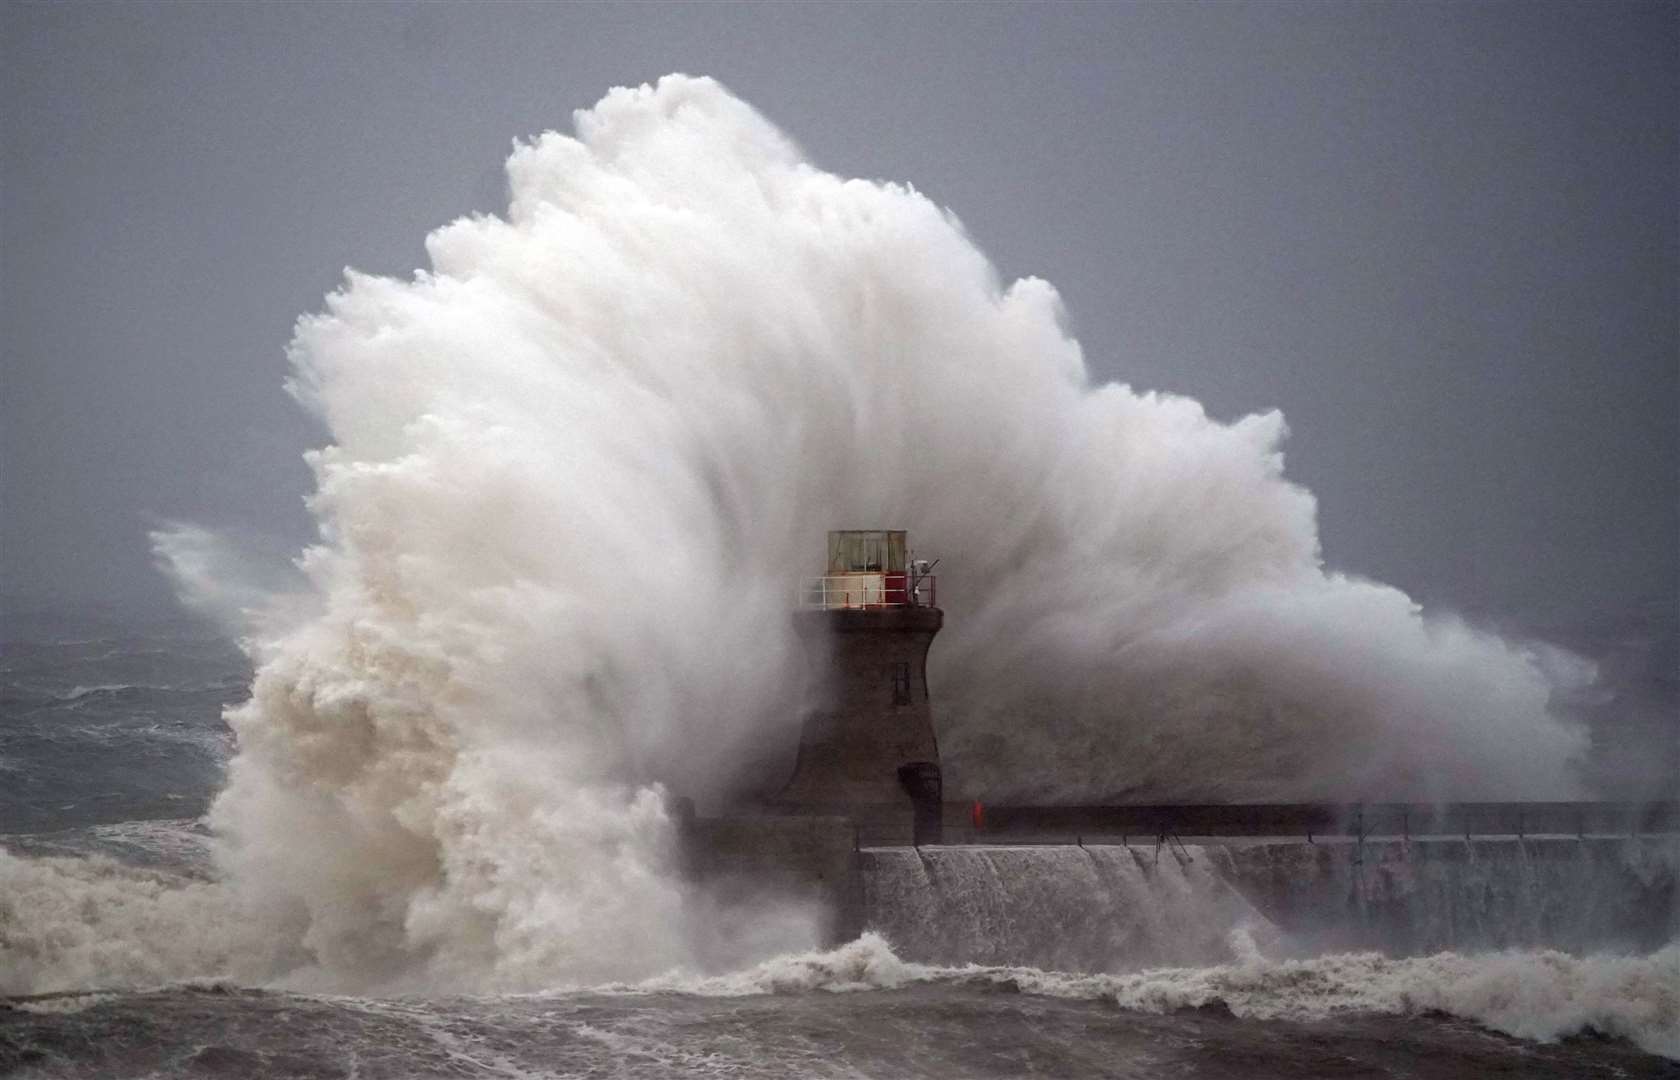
pixel 866 551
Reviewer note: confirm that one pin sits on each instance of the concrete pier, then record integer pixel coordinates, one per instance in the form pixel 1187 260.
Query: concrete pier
pixel 1222 821
pixel 1117 907
pixel 1397 876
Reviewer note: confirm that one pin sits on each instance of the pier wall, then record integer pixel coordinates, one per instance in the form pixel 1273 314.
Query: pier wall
pixel 1053 824
pixel 1112 907
pixel 1169 884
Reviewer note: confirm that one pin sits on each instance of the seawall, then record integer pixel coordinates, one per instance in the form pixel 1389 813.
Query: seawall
pixel 1120 907
pixel 1103 888
pixel 1014 824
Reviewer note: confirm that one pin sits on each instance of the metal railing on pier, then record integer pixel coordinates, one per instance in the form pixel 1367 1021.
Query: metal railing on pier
pixel 1063 824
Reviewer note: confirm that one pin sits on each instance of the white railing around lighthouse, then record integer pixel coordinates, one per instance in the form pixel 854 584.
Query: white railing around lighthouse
pixel 866 591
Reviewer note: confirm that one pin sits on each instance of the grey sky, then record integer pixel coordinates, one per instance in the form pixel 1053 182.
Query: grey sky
pixel 1442 239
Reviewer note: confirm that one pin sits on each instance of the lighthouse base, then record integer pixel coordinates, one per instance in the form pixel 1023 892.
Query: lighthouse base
pixel 875 718
pixel 806 860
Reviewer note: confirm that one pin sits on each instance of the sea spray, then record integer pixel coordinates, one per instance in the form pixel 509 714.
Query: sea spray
pixel 574 469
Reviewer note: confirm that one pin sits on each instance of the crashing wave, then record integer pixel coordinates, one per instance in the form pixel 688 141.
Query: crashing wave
pixel 1541 995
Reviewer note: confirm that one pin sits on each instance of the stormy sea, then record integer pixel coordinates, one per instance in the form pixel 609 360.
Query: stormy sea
pixel 114 746
pixel 400 804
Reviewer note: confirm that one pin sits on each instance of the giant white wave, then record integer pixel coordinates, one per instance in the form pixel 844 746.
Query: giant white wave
pixel 576 467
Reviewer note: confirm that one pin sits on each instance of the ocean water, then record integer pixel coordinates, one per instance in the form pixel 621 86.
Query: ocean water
pixel 104 726
pixel 962 1027
pixel 114 746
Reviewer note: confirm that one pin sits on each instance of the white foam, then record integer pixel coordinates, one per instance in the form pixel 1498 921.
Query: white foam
pixel 61 1005
pixel 78 692
pixel 868 963
pixel 1538 995
pixel 92 923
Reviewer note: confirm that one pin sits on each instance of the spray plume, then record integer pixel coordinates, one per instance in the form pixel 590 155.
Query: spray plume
pixel 578 465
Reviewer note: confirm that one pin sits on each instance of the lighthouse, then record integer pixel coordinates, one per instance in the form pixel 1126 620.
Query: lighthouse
pixel 867 748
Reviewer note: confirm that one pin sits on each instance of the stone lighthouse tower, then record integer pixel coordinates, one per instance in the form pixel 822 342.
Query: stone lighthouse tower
pixel 868 750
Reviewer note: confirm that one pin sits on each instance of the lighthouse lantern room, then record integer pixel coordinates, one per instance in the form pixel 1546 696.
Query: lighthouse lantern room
pixel 869 568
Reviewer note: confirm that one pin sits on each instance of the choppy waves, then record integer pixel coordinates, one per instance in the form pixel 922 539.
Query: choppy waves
pixel 75 923
pixel 93 924
pixel 1539 995
pixel 112 729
